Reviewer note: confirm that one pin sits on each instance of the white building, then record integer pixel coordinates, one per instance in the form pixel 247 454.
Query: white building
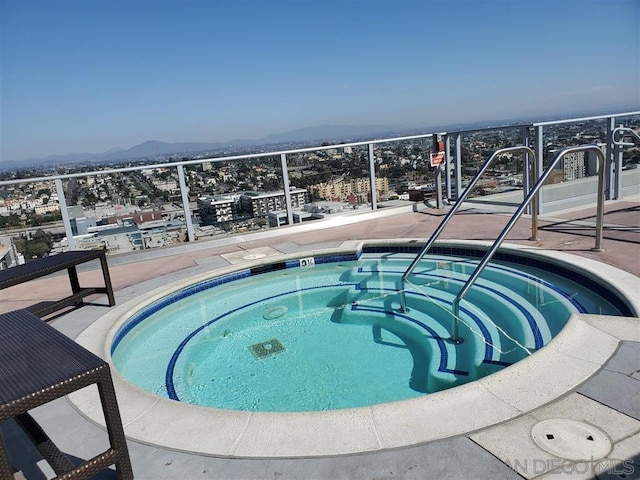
pixel 260 204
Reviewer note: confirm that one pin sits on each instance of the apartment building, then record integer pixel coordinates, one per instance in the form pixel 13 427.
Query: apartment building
pixel 258 204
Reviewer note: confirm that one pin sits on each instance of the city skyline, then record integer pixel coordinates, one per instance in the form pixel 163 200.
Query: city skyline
pixel 91 76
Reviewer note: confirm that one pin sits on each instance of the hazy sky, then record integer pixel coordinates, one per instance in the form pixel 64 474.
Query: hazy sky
pixel 91 75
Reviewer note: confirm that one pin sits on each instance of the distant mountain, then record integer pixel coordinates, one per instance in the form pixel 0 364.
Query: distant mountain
pixel 147 149
pixel 311 135
pixel 328 133
pixel 152 148
pixel 155 147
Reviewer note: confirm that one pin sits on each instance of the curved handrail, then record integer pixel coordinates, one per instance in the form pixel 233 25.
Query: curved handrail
pixel 454 209
pixel 624 131
pixel 455 338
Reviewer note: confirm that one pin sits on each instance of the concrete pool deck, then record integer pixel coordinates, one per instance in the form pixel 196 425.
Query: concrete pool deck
pixel 607 397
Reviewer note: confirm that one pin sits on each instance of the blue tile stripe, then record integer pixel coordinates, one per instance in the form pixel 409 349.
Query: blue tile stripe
pixel 544 283
pixel 444 355
pixel 169 382
pixel 533 325
pixel 511 271
pixel 497 362
pixel 171 298
pixel 486 335
pixel 535 330
pixel 562 271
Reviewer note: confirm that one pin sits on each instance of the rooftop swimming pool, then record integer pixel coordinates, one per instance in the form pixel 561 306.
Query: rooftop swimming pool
pixel 309 354
pixel 330 334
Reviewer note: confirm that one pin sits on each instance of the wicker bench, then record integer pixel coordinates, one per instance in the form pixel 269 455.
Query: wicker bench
pixel 55 263
pixel 39 364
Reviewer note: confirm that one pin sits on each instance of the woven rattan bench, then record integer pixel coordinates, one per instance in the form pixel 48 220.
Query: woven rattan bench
pixel 55 263
pixel 39 364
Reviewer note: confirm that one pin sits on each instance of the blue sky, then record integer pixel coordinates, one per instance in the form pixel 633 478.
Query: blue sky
pixel 91 75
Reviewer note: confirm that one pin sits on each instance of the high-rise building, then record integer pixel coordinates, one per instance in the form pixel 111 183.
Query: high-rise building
pixel 576 165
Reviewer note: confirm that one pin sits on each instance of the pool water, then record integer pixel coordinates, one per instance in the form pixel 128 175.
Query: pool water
pixel 331 336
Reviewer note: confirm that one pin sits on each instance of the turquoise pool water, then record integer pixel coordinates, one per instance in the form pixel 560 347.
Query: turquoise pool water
pixel 330 336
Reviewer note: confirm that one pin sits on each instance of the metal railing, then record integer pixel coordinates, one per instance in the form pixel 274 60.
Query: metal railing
pixel 455 333
pixel 453 162
pixel 624 131
pixel 455 208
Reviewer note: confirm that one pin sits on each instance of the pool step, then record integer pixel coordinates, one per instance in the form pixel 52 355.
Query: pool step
pixel 527 316
pixel 550 300
pixel 505 325
pixel 438 364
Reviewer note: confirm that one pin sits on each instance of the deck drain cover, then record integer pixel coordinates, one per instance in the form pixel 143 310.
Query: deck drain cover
pixel 264 349
pixel 571 439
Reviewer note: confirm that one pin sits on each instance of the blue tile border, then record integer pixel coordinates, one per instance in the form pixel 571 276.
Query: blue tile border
pixel 171 298
pixel 473 252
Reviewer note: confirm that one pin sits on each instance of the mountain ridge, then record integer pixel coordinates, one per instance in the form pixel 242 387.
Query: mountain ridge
pixel 321 133
pixel 157 147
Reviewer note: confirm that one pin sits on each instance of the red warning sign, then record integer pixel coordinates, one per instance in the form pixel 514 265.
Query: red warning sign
pixel 437 159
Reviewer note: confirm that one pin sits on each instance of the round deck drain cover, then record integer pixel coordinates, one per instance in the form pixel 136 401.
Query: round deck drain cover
pixel 571 439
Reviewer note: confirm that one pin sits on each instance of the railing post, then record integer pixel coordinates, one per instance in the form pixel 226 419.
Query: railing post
pixel 447 165
pixel 600 201
pixel 609 160
pixel 285 186
pixel 538 166
pixel 65 214
pixel 617 160
pixel 184 192
pixel 526 166
pixel 455 338
pixel 372 177
pixel 438 173
pixel 530 174
pixel 458 166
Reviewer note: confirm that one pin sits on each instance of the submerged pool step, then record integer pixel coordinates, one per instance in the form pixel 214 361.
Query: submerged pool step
pixel 528 315
pixel 551 300
pixel 506 326
pixel 431 315
pixel 438 363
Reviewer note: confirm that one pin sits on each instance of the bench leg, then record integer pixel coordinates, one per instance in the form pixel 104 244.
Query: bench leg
pixel 107 279
pixel 54 457
pixel 73 278
pixel 114 426
pixel 5 467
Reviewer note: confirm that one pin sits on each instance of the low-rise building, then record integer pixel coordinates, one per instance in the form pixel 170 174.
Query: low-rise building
pixel 46 208
pixel 342 189
pixel 258 204
pixel 218 208
pixel 279 217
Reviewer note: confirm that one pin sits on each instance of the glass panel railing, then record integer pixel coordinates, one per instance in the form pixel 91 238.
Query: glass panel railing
pixel 324 181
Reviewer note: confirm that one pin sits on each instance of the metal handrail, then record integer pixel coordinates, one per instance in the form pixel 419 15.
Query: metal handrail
pixel 455 337
pixel 624 131
pixel 454 209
